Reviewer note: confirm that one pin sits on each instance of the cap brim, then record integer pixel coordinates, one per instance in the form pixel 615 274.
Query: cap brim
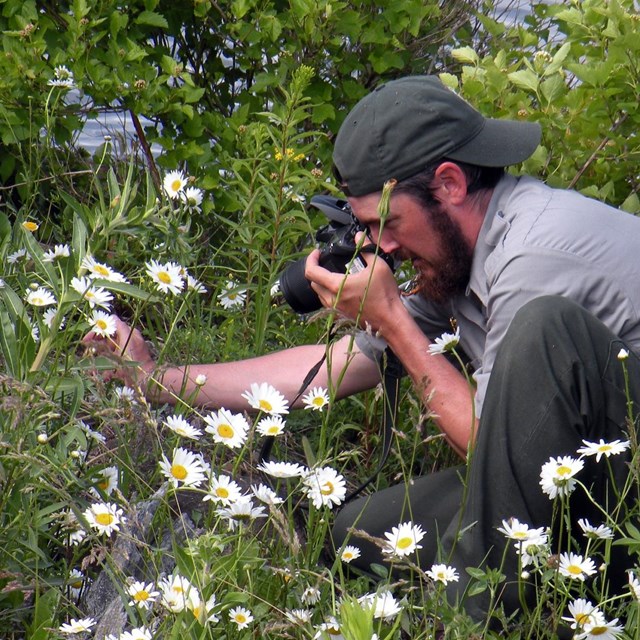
pixel 500 143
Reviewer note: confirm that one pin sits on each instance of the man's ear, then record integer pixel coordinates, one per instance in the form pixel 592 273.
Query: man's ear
pixel 450 184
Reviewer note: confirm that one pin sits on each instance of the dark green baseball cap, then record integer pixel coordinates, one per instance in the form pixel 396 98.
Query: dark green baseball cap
pixel 405 124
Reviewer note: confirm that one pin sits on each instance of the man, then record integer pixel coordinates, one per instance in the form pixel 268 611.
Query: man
pixel 542 284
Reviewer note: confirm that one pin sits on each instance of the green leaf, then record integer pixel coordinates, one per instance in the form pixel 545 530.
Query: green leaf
pixel 152 19
pixel 466 55
pixel 631 203
pixel 525 79
pixel 558 59
pixel 9 345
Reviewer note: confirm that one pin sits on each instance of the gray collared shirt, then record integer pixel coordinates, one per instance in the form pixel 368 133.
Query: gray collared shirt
pixel 537 241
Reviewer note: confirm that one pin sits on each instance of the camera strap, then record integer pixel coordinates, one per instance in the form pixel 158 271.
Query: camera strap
pixel 392 372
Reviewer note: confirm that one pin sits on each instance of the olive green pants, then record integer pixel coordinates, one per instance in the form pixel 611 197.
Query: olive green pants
pixel 556 381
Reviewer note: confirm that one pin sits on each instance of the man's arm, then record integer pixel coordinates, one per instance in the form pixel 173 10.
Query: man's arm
pixel 345 369
pixel 371 297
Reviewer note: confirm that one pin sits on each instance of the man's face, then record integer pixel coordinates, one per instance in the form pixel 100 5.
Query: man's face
pixel 429 238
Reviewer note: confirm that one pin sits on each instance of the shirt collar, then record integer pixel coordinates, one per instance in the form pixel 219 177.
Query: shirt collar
pixel 492 230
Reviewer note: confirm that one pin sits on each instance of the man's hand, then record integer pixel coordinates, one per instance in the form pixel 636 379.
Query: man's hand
pixel 370 297
pixel 125 347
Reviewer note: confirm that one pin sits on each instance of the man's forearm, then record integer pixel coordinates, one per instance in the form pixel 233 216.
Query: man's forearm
pixel 444 390
pixel 222 384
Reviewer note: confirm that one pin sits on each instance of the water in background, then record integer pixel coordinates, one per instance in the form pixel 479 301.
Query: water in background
pixel 118 125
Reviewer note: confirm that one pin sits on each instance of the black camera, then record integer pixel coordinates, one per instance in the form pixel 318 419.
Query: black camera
pixel 338 252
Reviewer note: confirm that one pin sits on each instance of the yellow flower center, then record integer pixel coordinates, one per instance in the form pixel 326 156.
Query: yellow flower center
pixel 164 277
pixel 225 431
pixel 347 555
pixel 104 519
pixel 221 492
pixel 563 470
pixel 574 569
pixel 327 488
pixel 333 631
pixel 265 405
pixel 604 448
pixel 141 596
pixel 101 270
pixel 37 300
pixel 405 542
pixel 273 430
pixel 178 471
pixel 101 324
pixel 318 402
pixel 176 185
pixel 30 226
pixel 241 618
pixel 522 535
pixel 582 618
pixel 76 584
pixel 598 631
pixel 103 484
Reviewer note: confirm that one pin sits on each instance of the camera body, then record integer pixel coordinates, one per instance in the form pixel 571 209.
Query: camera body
pixel 337 253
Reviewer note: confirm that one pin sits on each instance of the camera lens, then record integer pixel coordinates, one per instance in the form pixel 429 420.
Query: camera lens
pixel 296 288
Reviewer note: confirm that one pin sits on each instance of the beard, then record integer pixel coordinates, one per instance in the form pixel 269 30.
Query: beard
pixel 447 277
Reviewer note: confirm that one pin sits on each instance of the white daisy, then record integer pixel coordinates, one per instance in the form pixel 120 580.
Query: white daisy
pixel 384 605
pixel 180 425
pixel 601 532
pixel 58 251
pixel 195 285
pixel 186 468
pixel 75 583
pixel 311 595
pixel 266 494
pixel 623 354
pixel 104 517
pixel 48 317
pixel 167 277
pixel 14 257
pixel 201 610
pixel 271 426
pixel 142 595
pixel 173 183
pixel 403 540
pixel 557 475
pixel 175 591
pixel 600 630
pixel 265 398
pixel 298 616
pixel 40 297
pixel 106 481
pixel 192 198
pixel 62 78
pixel 95 296
pixel 137 633
pixel 223 490
pixel 574 566
pixel 317 399
pixel 77 626
pixel 241 616
pixel 227 428
pixel 329 630
pixel 516 530
pixel 231 296
pixel 446 342
pixel 99 270
pixel 634 585
pixel 443 573
pixel 349 553
pixel 325 487
pixel 581 612
pixel 102 323
pixel 282 469
pixel 126 395
pixel 602 448
pixel 535 550
pixel 241 512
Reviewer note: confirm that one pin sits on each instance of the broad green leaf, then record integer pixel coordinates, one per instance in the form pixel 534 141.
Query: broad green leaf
pixel 525 79
pixel 558 59
pixel 9 345
pixel 466 55
pixel 152 19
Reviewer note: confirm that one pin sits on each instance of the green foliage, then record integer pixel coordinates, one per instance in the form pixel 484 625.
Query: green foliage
pixel 574 69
